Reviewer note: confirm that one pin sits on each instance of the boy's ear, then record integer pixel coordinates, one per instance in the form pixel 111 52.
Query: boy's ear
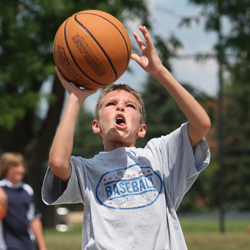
pixel 96 127
pixel 142 130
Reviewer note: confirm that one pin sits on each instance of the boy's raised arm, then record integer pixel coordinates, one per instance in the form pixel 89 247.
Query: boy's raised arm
pixel 60 152
pixel 199 122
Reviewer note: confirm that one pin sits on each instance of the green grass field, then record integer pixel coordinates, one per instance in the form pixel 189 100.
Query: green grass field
pixel 204 234
pixel 199 234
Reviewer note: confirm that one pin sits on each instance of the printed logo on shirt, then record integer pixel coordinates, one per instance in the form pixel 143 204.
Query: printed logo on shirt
pixel 129 188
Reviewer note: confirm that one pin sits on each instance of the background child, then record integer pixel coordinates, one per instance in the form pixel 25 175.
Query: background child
pixel 130 194
pixel 22 215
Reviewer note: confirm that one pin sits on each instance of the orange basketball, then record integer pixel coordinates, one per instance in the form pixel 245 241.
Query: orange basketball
pixel 92 49
pixel 3 211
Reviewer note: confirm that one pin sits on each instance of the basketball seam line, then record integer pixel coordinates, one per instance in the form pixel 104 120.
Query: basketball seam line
pixel 75 60
pixel 98 45
pixel 114 26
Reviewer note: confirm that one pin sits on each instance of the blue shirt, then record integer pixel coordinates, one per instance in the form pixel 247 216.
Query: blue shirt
pixel 22 209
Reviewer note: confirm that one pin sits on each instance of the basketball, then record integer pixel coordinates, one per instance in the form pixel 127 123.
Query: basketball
pixel 3 211
pixel 92 49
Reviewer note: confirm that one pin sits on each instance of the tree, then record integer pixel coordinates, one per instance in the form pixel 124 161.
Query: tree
pixel 235 63
pixel 27 30
pixel 86 143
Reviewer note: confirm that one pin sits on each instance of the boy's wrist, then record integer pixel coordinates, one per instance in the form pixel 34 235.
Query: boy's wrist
pixel 163 72
pixel 76 101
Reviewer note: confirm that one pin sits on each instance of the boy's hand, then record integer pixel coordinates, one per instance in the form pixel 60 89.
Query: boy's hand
pixel 149 59
pixel 199 122
pixel 81 94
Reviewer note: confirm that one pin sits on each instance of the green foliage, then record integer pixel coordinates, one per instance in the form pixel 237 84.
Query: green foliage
pixel 237 149
pixel 236 56
pixel 14 106
pixel 163 114
pixel 86 143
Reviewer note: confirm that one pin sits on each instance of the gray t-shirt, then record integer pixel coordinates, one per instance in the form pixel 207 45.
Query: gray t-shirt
pixel 131 195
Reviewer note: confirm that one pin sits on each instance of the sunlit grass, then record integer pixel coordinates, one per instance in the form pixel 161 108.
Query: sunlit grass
pixel 206 235
pixel 200 234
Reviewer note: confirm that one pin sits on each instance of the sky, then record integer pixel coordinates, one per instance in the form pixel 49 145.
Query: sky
pixel 165 16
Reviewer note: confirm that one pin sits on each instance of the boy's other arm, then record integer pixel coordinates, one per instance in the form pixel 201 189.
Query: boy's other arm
pixel 37 228
pixel 60 152
pixel 199 122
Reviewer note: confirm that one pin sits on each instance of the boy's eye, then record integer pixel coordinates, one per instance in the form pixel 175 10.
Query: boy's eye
pixel 111 104
pixel 131 106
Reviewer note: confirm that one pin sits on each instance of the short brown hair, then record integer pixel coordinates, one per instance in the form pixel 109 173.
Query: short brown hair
pixel 10 159
pixel 125 87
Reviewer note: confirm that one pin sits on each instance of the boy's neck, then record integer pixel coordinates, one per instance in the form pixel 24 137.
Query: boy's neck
pixel 112 146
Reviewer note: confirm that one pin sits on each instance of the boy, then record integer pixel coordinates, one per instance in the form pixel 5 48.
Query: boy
pixel 130 195
pixel 22 215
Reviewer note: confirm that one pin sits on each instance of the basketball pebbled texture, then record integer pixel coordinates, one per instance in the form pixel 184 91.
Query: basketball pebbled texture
pixel 92 49
pixel 3 211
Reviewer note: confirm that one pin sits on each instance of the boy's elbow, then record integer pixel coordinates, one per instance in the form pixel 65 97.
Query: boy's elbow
pixel 202 126
pixel 60 167
pixel 206 125
pixel 55 163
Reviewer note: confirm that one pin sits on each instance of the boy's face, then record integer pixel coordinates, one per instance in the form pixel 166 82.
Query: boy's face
pixel 16 173
pixel 119 120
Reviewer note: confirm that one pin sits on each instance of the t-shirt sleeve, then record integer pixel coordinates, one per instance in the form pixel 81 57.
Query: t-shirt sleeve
pixel 54 191
pixel 33 211
pixel 180 163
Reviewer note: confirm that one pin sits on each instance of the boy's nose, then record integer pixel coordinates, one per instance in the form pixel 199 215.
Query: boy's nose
pixel 120 107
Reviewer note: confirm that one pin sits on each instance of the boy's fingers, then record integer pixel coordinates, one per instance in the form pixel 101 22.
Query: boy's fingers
pixel 138 39
pixel 148 40
pixel 135 57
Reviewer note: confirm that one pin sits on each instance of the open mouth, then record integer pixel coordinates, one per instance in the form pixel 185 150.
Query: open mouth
pixel 120 121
